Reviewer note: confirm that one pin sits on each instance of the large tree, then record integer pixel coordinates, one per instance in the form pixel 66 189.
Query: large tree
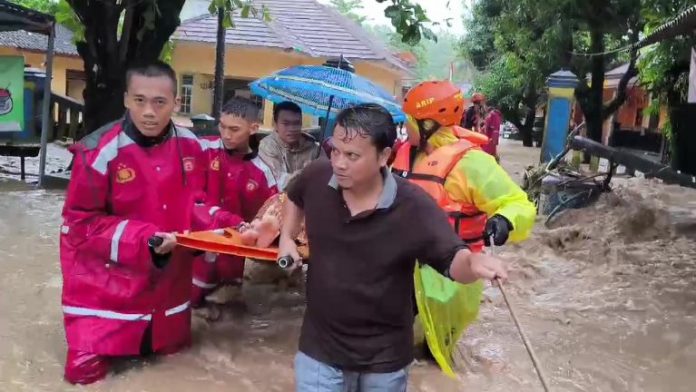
pixel 520 42
pixel 110 47
pixel 594 28
pixel 512 51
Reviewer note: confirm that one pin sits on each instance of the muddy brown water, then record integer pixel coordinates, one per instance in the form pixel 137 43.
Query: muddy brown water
pixel 606 295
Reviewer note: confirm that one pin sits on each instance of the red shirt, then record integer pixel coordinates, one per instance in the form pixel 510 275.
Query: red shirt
pixel 237 183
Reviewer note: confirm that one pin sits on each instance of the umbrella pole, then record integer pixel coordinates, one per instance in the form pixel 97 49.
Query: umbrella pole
pixel 326 126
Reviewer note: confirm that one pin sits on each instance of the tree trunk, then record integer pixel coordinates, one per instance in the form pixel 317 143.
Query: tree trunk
pixel 622 88
pixel 218 92
pixel 107 56
pixel 103 104
pixel 530 101
pixel 526 129
pixel 591 98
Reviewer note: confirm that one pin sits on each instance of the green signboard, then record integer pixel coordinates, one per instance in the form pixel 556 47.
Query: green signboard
pixel 11 93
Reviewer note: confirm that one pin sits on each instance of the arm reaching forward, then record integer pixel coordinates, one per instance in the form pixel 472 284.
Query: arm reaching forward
pixel 443 250
pixel 468 267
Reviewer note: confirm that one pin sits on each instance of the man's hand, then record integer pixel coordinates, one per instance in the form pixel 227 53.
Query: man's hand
pixel 168 243
pixel 468 267
pixel 499 228
pixel 288 247
pixel 488 267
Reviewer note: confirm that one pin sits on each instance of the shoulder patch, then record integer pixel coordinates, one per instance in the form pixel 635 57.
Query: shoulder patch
pixel 184 132
pixel 261 165
pixel 109 151
pixel 91 141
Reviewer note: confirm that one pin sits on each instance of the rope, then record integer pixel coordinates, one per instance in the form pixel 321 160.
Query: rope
pixel 527 345
pixel 606 52
pixel 525 340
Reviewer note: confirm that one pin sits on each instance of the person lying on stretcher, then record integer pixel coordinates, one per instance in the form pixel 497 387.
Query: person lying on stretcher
pixel 263 231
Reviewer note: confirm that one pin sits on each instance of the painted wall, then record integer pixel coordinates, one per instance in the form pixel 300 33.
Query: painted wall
pixel 249 64
pixel 60 66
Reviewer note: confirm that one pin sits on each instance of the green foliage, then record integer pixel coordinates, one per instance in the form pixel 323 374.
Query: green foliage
pixel 433 57
pixel 144 29
pixel 664 67
pixel 230 6
pixel 409 20
pixel 519 43
pixel 168 52
pixel 348 8
pixel 67 17
pixel 46 6
pixel 434 54
pixel 510 45
pixel 61 10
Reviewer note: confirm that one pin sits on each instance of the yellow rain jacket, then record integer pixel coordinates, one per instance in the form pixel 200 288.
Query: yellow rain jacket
pixel 479 180
pixel 446 308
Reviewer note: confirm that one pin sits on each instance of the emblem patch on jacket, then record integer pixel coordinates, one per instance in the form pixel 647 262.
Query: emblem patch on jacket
pixel 251 186
pixel 124 174
pixel 189 164
pixel 215 164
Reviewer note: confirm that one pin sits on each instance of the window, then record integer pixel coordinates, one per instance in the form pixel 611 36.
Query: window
pixel 75 84
pixel 186 92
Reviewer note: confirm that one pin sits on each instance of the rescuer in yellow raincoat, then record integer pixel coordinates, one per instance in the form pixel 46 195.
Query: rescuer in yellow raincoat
pixel 483 202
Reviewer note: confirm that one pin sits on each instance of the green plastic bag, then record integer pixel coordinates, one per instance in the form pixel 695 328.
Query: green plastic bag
pixel 445 309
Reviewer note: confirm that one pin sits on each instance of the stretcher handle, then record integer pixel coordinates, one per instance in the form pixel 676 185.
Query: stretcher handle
pixel 285 262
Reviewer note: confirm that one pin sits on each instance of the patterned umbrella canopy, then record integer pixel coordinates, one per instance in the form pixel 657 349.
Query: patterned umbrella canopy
pixel 316 88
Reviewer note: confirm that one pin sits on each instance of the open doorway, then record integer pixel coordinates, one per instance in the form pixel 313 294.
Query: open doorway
pixel 240 88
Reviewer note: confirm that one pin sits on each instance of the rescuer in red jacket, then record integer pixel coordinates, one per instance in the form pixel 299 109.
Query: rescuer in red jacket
pixel 239 182
pixel 131 180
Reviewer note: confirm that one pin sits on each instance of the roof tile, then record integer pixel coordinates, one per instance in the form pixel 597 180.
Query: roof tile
pixel 305 25
pixel 21 39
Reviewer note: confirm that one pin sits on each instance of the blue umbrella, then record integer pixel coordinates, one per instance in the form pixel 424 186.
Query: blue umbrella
pixel 322 90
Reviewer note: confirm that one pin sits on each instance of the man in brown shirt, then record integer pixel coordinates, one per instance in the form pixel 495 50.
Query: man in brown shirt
pixel 288 149
pixel 366 229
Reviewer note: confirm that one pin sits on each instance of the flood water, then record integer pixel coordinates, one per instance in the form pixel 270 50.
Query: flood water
pixel 606 295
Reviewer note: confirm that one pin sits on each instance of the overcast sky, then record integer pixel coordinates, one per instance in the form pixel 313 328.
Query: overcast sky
pixel 437 11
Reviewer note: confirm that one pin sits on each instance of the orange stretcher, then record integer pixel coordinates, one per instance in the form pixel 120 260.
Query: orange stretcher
pixel 228 241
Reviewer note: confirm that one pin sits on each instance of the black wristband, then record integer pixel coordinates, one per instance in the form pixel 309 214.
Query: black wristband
pixel 160 261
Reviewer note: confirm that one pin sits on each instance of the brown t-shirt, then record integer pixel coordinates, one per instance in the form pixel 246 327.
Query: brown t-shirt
pixel 359 314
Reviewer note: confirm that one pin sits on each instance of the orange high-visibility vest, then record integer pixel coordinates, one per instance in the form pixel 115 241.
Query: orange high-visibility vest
pixel 431 172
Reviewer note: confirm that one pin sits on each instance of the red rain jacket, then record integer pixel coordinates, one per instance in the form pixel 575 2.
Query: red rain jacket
pixel 119 195
pixel 239 185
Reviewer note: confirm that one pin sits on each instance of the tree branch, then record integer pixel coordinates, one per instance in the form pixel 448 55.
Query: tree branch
pixel 125 34
pixel 622 89
pixel 166 25
pixel 80 9
pixel 109 29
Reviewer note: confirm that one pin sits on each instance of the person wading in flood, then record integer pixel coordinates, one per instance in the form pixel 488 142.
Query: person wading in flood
pixel 366 228
pixel 480 198
pixel 131 180
pixel 239 182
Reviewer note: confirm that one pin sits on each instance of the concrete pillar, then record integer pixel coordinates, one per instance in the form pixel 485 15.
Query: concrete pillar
pixel 561 87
